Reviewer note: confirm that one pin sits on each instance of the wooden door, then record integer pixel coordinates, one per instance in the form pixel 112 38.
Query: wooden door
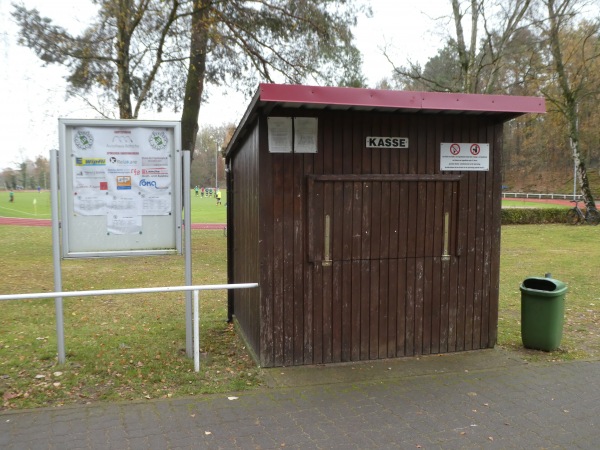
pixel 372 242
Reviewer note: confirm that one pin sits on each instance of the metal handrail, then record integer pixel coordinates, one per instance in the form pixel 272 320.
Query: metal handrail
pixel 195 289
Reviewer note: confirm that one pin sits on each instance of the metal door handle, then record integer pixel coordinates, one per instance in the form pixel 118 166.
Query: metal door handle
pixel 446 255
pixel 326 252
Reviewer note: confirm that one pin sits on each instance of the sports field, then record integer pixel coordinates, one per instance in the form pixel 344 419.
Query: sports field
pixel 34 205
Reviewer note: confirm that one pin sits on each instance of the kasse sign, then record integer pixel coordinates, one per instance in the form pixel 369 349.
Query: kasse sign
pixel 386 142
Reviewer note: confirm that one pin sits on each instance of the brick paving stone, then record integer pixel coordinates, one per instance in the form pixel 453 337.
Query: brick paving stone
pixel 514 406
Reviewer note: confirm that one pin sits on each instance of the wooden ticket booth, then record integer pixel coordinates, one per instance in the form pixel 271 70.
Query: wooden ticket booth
pixel 370 219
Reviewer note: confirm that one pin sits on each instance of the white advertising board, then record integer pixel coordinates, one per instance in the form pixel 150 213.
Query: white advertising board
pixel 464 157
pixel 120 187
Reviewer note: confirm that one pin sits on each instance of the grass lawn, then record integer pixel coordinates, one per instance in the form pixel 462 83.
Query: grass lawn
pixel 131 347
pixel 570 254
pixel 118 347
pixel 34 205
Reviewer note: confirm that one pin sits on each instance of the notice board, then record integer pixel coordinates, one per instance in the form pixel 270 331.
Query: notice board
pixel 120 186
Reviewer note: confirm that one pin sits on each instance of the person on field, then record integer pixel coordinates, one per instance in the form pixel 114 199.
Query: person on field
pixel 218 195
pixel 196 190
pixel 11 196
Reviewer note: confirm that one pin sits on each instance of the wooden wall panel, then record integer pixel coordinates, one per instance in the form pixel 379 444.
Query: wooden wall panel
pixel 298 258
pixel 287 254
pixel 275 252
pixel 308 319
pixel 318 303
pixel 244 239
pixel 495 224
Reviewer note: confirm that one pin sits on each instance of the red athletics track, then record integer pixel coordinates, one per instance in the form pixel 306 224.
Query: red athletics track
pixel 48 222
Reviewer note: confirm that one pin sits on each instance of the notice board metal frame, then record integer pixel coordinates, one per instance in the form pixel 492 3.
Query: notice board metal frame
pixel 85 236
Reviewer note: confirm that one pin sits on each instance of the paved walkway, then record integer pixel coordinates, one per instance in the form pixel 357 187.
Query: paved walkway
pixel 486 399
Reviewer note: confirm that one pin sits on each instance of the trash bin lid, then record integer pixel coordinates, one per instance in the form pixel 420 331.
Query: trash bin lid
pixel 541 286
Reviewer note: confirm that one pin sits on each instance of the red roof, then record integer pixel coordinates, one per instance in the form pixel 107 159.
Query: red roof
pixel 377 99
pixel 268 96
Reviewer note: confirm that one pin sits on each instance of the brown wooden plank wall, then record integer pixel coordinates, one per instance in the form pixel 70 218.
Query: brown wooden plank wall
pixel 244 238
pixel 387 292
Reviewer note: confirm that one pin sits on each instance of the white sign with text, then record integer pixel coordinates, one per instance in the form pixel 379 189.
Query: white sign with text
pixel 464 156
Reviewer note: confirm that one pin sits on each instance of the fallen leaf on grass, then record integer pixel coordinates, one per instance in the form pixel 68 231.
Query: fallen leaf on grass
pixel 10 395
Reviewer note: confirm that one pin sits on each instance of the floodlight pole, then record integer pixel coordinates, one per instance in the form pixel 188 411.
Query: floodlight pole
pixel 217 168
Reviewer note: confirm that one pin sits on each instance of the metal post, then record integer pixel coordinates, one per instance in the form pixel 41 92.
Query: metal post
pixel 196 332
pixel 58 303
pixel 574 180
pixel 574 162
pixel 187 220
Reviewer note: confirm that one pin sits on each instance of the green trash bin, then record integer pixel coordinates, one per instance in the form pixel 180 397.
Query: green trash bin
pixel 542 313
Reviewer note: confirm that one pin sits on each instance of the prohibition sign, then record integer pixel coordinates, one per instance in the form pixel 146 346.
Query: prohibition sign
pixel 455 149
pixel 475 149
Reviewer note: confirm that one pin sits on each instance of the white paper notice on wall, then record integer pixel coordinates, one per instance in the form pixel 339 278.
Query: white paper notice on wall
pixel 455 156
pixel 305 134
pixel 280 134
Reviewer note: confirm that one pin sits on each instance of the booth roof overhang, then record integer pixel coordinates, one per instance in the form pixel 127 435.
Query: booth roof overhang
pixel 269 96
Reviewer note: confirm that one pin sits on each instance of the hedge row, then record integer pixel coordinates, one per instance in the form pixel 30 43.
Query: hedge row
pixel 523 216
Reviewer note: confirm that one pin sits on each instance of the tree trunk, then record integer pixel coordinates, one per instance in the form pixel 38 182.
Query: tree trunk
pixel 466 55
pixel 586 191
pixel 123 60
pixel 569 103
pixel 195 78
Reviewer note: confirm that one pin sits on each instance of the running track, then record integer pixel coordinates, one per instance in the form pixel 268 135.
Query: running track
pixel 220 226
pixel 48 222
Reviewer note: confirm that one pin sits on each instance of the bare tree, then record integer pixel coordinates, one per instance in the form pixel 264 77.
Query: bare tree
pixel 572 80
pixel 473 62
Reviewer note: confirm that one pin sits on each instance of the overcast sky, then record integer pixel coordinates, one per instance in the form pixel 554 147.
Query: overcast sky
pixel 33 96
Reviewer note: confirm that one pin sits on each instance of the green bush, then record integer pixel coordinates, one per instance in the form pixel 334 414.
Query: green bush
pixel 526 216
